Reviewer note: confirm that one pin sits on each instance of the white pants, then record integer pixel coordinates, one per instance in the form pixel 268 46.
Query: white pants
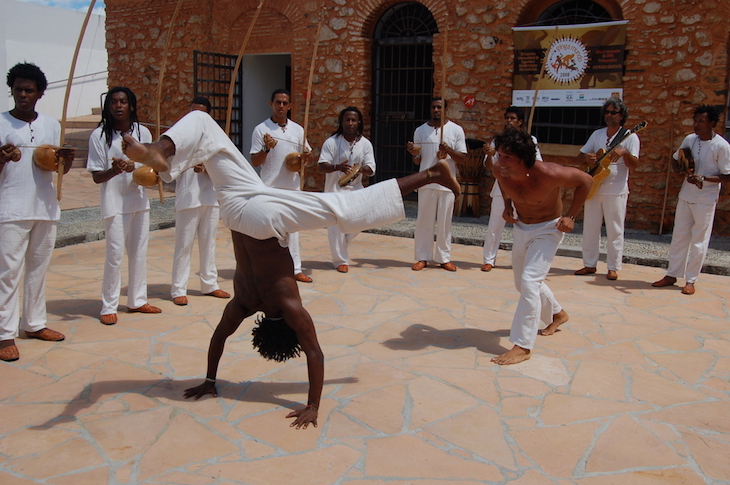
pixel 434 207
pixel 130 231
pixel 203 222
pixel 339 243
pixel 533 251
pixel 494 230
pixel 292 242
pixel 29 245
pixel 251 208
pixel 690 239
pixel 612 210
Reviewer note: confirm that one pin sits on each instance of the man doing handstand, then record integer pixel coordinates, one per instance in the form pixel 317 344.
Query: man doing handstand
pixel 260 219
pixel 534 189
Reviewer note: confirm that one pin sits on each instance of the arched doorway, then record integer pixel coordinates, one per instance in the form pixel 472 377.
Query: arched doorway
pixel 402 84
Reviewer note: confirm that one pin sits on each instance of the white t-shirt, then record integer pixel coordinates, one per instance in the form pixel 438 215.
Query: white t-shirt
pixel 194 189
pixel 26 191
pixel 336 149
pixel 712 157
pixel 617 182
pixel 428 137
pixel 288 140
pixel 496 191
pixel 120 194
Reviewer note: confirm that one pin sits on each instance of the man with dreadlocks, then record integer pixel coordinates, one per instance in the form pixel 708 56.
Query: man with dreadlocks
pixel 345 152
pixel 124 205
pixel 260 218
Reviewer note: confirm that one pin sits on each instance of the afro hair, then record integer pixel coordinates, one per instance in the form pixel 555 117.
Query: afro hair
pixel 275 340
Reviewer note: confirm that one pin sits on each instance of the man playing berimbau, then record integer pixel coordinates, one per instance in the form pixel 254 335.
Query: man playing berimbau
pixel 260 219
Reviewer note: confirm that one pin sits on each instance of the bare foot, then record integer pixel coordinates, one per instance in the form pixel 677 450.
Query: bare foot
pixel 150 154
pixel 513 356
pixel 558 319
pixel 441 174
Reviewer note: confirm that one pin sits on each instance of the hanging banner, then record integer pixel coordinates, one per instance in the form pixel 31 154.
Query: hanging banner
pixel 584 64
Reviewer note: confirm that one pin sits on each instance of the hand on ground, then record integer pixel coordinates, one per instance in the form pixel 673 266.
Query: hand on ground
pixel 303 417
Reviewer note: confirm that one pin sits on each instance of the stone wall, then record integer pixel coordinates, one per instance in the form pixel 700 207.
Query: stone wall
pixel 677 57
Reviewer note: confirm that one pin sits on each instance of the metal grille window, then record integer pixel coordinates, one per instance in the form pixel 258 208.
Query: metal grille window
pixel 402 84
pixel 212 73
pixel 570 12
pixel 569 126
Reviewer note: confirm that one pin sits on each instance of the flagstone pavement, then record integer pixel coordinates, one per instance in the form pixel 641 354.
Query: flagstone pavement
pixel 634 389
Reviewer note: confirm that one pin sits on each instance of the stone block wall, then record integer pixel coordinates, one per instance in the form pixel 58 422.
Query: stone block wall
pixel 677 57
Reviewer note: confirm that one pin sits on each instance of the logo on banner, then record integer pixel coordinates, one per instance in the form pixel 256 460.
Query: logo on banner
pixel 567 60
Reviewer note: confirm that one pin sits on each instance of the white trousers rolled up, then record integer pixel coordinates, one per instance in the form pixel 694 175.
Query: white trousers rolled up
pixel 25 245
pixel 690 239
pixel 533 251
pixel 189 223
pixel 610 209
pixel 130 231
pixel 494 230
pixel 434 207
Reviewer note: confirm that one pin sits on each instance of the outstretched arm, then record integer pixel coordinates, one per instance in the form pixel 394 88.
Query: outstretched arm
pixel 232 317
pixel 301 322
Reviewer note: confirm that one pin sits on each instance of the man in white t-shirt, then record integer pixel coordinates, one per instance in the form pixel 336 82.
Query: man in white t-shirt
pixel 514 117
pixel 698 196
pixel 609 201
pixel 436 203
pixel 272 140
pixel 124 204
pixel 345 149
pixel 29 210
pixel 196 214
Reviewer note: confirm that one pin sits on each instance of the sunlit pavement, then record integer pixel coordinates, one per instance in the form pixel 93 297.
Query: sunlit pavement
pixel 633 390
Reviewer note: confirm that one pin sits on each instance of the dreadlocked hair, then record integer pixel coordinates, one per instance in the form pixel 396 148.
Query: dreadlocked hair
pixel 107 120
pixel 275 340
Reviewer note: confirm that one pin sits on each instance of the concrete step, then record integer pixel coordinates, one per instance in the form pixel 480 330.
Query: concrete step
pixel 85 122
pixel 78 131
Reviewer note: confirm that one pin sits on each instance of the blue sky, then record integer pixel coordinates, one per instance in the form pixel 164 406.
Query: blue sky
pixel 82 5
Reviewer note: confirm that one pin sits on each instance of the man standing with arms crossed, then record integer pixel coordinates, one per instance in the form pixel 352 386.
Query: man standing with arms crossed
pixel 535 191
pixel 609 202
pixel 29 210
pixel 435 202
pixel 272 140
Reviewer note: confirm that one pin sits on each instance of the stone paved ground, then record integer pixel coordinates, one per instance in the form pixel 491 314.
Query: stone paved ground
pixel 633 390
